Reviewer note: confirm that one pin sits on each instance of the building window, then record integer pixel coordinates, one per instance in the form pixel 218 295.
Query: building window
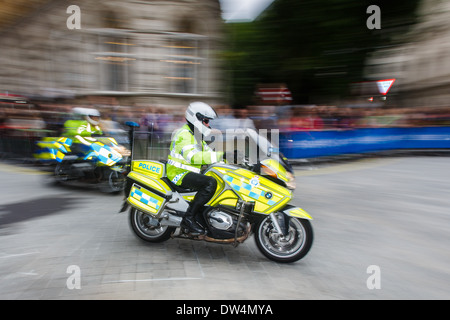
pixel 113 54
pixel 184 62
pixel 115 60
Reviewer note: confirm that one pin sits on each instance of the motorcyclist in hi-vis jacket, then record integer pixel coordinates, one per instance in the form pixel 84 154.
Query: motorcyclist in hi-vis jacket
pixel 82 130
pixel 186 157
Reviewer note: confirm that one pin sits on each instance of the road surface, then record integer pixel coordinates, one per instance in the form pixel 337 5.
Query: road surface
pixel 382 229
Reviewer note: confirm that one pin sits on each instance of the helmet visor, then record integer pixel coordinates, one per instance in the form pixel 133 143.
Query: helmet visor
pixel 202 118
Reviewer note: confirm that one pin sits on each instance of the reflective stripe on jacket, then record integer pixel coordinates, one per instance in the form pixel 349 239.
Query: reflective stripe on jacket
pixel 80 131
pixel 187 155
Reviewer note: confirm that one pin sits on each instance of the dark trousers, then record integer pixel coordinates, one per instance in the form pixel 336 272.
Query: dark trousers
pixel 205 187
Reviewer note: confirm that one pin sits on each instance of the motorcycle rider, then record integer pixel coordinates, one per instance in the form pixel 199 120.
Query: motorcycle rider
pixel 188 152
pixel 81 131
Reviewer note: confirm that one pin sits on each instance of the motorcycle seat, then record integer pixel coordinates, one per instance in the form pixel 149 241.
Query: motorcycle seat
pixel 70 157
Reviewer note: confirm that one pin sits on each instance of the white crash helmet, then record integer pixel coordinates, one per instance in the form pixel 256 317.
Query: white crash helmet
pixel 87 113
pixel 196 113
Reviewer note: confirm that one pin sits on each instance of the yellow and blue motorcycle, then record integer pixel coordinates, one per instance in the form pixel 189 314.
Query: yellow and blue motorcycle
pixel 249 199
pixel 103 164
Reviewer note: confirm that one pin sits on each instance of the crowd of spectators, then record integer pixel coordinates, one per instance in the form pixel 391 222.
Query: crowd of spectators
pixel 286 119
pixel 49 118
pixel 306 118
pixel 33 121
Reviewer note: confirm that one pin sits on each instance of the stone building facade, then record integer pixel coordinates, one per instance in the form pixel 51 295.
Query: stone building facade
pixel 137 51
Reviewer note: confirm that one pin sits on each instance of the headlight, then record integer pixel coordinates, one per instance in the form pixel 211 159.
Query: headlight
pixel 124 152
pixel 291 181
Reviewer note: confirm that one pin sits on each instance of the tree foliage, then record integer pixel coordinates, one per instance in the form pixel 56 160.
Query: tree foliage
pixel 316 47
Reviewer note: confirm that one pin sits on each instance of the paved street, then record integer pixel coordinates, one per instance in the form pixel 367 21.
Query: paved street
pixel 381 232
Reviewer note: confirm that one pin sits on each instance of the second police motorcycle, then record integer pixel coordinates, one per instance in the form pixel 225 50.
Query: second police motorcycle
pixel 102 163
pixel 252 197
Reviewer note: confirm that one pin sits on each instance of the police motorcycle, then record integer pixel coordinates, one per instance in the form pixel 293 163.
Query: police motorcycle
pixel 252 197
pixel 103 164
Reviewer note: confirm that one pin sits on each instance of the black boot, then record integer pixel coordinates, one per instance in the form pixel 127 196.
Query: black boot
pixel 189 223
pixel 192 225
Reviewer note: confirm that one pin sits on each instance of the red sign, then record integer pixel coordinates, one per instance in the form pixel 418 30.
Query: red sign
pixel 274 95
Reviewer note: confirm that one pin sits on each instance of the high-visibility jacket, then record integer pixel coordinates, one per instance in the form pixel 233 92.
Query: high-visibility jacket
pixel 80 131
pixel 187 155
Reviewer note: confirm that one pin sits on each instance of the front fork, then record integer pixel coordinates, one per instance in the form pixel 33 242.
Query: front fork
pixel 280 221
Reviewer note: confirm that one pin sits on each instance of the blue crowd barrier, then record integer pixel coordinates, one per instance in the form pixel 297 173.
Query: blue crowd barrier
pixel 310 144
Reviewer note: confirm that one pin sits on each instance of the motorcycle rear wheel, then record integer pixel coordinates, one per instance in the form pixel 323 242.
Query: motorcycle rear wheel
pixel 114 182
pixel 146 231
pixel 290 248
pixel 61 173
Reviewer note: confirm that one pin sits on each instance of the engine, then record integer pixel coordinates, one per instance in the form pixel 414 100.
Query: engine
pixel 220 220
pixel 223 224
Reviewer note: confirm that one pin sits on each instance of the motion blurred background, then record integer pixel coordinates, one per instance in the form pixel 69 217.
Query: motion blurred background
pixel 297 65
pixel 315 70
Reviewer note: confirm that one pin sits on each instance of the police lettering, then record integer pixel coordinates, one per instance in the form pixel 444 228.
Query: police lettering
pixel 149 168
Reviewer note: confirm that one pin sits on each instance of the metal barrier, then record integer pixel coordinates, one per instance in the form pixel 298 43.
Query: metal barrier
pixel 147 145
pixel 18 146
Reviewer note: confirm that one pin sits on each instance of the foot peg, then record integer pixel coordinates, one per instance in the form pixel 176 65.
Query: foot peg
pixel 192 226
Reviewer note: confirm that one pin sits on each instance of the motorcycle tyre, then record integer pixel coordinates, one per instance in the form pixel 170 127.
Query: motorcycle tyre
pixel 262 230
pixel 113 182
pixel 160 234
pixel 60 175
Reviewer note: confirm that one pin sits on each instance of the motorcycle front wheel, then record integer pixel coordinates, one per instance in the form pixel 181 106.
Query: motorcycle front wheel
pixel 290 248
pixel 140 224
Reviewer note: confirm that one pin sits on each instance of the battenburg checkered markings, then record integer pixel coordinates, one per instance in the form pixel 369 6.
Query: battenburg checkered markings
pixel 145 199
pixel 103 153
pixel 59 156
pixel 248 190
